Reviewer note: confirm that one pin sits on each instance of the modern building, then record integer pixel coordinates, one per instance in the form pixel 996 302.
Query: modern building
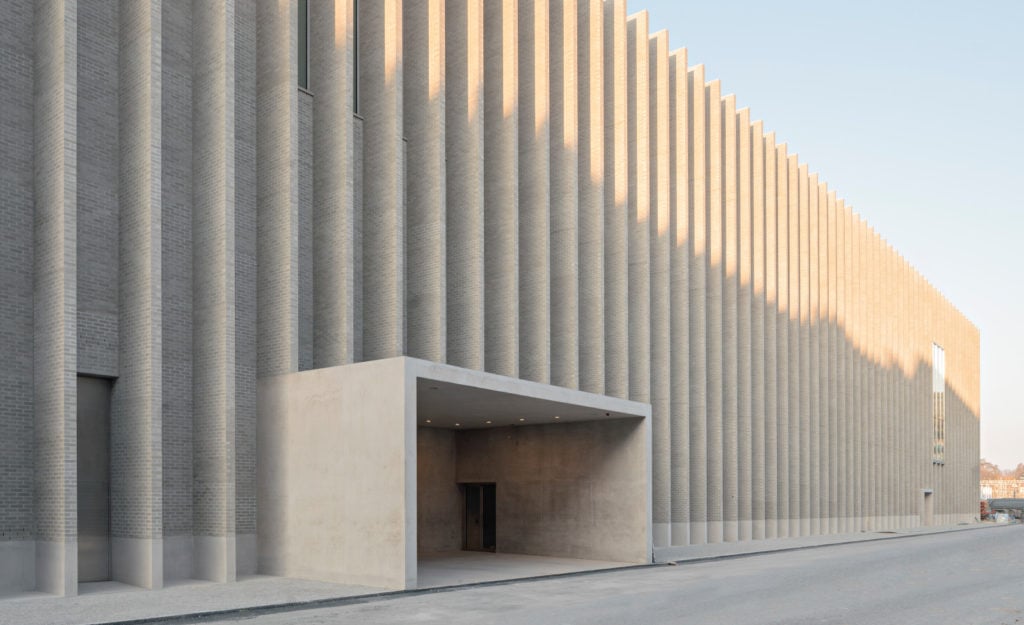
pixel 313 290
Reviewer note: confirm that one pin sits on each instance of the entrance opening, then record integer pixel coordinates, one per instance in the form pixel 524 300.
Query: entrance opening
pixel 480 520
pixel 93 479
pixel 927 508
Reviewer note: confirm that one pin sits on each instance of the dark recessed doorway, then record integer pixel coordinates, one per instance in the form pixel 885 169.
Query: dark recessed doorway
pixel 479 522
pixel 93 479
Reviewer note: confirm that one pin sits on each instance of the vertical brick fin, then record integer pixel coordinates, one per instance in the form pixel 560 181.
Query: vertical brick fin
pixel 178 274
pixel 758 339
pixel 381 72
pixel 792 233
pixel 730 323
pixel 501 187
pixel 698 372
pixel 660 190
pixel 277 189
pixel 679 286
pixel 805 432
pixel 743 318
pixel 136 419
pixel 854 362
pixel 423 31
pixel 464 182
pixel 814 364
pixel 213 236
pixel 535 178
pixel 782 312
pixel 616 202
pixel 332 40
pixel 246 319
pixel 830 350
pixel 843 386
pixel 277 179
pixel 639 227
pixel 55 309
pixel 715 275
pixel 592 185
pixel 771 344
pixel 828 459
pixel 566 47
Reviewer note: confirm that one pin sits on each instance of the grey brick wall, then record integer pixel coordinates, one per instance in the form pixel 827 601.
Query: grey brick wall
pixel 245 267
pixel 97 188
pixel 176 265
pixel 16 440
pixel 305 231
pixel 136 406
pixel 117 272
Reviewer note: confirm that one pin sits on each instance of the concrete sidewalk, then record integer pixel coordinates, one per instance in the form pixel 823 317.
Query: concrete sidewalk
pixel 108 603
pixel 694 553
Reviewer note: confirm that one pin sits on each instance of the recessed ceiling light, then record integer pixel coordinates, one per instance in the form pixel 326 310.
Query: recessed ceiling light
pixel 488 421
pixel 557 417
pixel 428 420
pixel 522 418
pixel 457 424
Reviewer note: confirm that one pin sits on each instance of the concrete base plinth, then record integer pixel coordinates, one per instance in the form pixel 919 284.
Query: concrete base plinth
pixel 662 534
pixel 56 565
pixel 138 561
pixel 214 558
pixel 680 534
pixel 17 566
pixel 177 557
pixel 245 554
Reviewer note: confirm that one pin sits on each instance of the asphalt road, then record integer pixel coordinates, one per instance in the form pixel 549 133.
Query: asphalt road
pixel 963 578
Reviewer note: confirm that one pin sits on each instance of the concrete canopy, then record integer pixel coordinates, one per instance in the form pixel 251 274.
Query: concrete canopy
pixel 487 400
pixel 338 480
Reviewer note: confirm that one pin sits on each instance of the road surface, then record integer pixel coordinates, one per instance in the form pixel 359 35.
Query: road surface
pixel 967 577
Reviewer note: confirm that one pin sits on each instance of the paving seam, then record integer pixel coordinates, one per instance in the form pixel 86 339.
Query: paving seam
pixel 750 554
pixel 330 602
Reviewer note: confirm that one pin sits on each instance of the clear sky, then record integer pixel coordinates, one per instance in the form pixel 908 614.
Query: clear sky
pixel 913 111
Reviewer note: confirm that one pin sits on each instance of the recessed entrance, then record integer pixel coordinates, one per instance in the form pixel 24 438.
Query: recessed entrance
pixel 93 479
pixel 480 519
pixel 927 507
pixel 546 479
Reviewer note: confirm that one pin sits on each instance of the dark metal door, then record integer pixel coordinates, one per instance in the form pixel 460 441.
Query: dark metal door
pixel 480 518
pixel 93 479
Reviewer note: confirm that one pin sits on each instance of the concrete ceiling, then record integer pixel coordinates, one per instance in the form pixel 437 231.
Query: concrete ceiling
pixel 456 406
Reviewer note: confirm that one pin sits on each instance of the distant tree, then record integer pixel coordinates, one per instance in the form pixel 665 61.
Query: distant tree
pixel 1017 473
pixel 990 470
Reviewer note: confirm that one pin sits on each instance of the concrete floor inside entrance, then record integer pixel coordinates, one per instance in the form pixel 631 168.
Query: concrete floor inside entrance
pixel 453 568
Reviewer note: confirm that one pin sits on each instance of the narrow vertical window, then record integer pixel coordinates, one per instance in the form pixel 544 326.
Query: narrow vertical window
pixel 938 404
pixel 303 42
pixel 355 56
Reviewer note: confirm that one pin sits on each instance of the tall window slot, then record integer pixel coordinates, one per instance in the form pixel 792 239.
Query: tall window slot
pixel 303 42
pixel 938 404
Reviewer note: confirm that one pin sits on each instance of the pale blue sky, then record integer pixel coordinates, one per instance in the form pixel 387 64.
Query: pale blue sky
pixel 912 111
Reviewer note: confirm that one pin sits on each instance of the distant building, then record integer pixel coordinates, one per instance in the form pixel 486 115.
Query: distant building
pixel 1002 489
pixel 503 276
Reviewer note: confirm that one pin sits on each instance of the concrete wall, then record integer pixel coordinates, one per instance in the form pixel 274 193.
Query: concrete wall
pixel 574 490
pixel 438 498
pixel 335 474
